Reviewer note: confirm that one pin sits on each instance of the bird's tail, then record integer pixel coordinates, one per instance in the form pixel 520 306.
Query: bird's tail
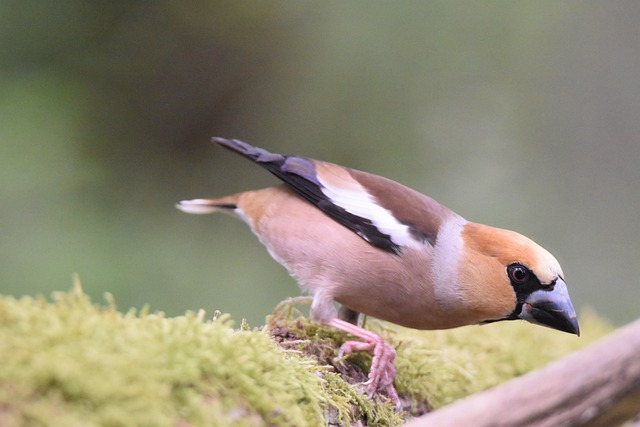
pixel 206 206
pixel 270 161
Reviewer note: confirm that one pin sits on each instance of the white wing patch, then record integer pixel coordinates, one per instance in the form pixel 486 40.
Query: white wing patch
pixel 357 201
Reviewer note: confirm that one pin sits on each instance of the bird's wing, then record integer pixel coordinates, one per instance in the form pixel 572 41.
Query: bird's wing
pixel 385 213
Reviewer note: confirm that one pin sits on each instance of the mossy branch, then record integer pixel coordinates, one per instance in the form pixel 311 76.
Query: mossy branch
pixel 69 362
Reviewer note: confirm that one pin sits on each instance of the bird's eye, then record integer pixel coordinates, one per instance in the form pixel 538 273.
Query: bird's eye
pixel 518 273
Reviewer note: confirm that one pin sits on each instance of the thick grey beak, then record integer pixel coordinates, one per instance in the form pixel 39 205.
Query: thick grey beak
pixel 551 308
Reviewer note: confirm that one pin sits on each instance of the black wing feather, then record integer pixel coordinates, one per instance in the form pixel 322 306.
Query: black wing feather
pixel 300 175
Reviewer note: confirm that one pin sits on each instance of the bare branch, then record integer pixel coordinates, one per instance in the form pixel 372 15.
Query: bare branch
pixel 598 386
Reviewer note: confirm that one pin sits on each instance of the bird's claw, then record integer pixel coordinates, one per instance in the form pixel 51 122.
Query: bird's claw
pixel 382 372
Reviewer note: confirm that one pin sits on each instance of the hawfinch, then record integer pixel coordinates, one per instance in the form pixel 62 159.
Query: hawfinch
pixel 379 248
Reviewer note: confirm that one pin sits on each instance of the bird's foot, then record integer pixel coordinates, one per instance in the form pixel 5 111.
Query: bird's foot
pixel 382 372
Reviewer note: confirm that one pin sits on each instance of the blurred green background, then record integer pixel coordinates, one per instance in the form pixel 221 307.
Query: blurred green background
pixel 518 114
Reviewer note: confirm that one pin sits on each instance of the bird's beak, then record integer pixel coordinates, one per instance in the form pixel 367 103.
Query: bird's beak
pixel 551 308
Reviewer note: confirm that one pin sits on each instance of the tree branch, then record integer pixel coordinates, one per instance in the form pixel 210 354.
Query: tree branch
pixel 598 386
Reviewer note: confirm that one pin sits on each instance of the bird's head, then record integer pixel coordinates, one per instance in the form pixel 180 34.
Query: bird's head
pixel 508 276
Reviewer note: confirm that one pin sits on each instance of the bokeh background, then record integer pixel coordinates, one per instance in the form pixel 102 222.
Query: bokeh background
pixel 518 114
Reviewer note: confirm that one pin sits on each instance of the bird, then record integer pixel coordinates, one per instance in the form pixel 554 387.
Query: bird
pixel 360 243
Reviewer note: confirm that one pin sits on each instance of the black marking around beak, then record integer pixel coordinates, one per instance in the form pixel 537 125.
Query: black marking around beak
pixel 552 308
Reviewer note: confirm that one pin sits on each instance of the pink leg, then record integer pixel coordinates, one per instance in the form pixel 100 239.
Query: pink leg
pixel 382 372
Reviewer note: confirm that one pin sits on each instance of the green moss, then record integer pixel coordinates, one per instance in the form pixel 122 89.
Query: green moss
pixel 343 377
pixel 69 362
pixel 443 366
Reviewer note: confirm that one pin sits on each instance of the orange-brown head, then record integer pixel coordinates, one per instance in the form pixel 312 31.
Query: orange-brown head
pixel 504 275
